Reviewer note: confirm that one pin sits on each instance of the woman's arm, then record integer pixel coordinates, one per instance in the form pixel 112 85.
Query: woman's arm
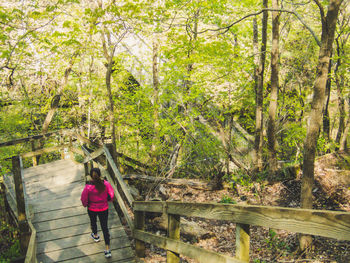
pixel 110 191
pixel 85 197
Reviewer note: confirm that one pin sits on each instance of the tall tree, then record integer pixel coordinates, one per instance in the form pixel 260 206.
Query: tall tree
pixel 271 133
pixel 329 22
pixel 259 87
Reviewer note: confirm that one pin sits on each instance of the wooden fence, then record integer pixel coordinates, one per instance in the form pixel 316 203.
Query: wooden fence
pixel 331 224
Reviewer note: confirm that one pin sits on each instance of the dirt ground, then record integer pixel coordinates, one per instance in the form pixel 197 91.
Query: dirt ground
pixel 331 192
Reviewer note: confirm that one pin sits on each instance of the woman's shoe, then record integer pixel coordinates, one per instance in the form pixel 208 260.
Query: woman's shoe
pixel 95 238
pixel 108 253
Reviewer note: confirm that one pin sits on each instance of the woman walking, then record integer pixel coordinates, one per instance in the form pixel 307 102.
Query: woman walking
pixel 95 197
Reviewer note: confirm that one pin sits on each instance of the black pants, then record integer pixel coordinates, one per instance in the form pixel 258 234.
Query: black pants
pixel 103 217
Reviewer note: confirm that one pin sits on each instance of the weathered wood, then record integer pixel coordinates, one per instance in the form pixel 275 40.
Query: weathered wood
pixel 187 228
pixel 94 155
pixel 77 240
pixel 242 242
pixel 31 250
pixel 119 255
pixel 118 176
pixel 197 253
pixel 174 233
pixel 20 201
pixel 119 199
pixel 44 150
pixel 72 230
pixel 76 252
pixel 62 213
pixel 331 224
pixel 172 181
pixel 139 219
pixel 17 178
pixel 34 137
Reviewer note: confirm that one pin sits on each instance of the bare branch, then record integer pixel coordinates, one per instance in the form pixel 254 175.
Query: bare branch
pixel 321 8
pixel 226 28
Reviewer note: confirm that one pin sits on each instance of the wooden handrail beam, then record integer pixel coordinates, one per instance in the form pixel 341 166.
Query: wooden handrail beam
pixel 44 150
pixel 332 224
pixel 118 176
pixel 34 137
pixel 94 155
pixel 200 254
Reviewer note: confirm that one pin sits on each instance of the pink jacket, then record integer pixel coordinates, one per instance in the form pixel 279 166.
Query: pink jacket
pixel 94 200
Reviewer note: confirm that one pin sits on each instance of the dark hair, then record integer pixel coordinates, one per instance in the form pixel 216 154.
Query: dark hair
pixel 98 183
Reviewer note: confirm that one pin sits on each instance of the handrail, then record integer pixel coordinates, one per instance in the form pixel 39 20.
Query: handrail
pixel 118 176
pixel 92 156
pixel 31 251
pixel 331 224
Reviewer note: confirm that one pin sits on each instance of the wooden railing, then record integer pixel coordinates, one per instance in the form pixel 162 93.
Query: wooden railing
pixel 15 189
pixel 114 180
pixel 331 224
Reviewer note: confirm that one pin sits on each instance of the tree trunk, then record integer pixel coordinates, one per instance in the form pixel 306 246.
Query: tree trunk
pixel 271 134
pixel 259 85
pixel 155 102
pixel 341 101
pixel 315 119
pixel 344 137
pixel 326 120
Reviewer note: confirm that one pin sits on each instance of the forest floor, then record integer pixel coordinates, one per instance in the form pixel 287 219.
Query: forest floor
pixel 331 192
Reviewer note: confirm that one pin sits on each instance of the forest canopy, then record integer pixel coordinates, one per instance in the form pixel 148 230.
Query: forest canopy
pixel 193 88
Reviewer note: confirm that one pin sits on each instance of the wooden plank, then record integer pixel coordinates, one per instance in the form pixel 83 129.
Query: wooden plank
pixel 44 192
pixel 78 240
pixel 200 254
pixel 119 177
pixel 242 242
pixel 55 205
pixel 43 196
pixel 120 202
pixel 174 233
pixel 63 213
pixel 117 247
pixel 139 219
pixel 122 255
pixel 93 155
pixel 63 167
pixel 44 150
pixel 32 247
pixel 34 137
pixel 70 231
pixel 149 206
pixel 73 220
pixel 331 224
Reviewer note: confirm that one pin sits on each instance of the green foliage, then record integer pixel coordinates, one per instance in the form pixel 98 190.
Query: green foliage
pixel 227 200
pixel 276 245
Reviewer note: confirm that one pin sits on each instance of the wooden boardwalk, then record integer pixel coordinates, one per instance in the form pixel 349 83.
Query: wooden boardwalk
pixel 63 227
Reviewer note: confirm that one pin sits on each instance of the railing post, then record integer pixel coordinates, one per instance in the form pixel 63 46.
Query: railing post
pixel 21 208
pixel 242 242
pixel 34 159
pixel 139 224
pixel 174 233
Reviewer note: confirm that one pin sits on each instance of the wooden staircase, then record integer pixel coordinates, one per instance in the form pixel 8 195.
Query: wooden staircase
pixel 62 224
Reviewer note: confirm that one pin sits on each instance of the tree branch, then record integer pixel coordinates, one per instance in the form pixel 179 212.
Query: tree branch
pixel 321 8
pixel 226 28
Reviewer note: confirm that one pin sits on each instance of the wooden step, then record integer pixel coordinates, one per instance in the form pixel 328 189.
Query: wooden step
pixel 70 231
pixel 70 221
pixel 78 240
